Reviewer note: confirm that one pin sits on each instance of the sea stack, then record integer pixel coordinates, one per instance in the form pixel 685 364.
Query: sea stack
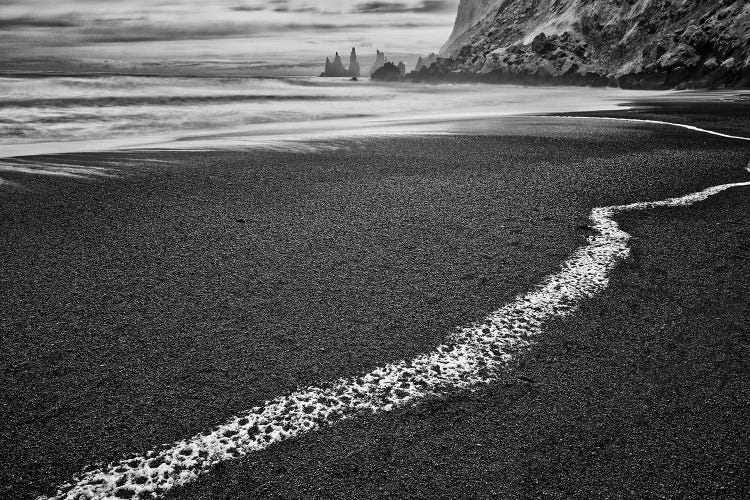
pixel 337 69
pixel 379 62
pixel 353 64
pixel 402 68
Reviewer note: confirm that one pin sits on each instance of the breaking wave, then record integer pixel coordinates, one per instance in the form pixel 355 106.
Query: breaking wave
pixel 133 110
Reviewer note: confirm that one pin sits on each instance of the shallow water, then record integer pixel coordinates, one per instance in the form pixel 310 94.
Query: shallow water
pixel 74 113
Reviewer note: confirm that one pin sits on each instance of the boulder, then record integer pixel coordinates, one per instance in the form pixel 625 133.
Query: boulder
pixel 725 45
pixel 389 72
pixel 711 64
pixel 695 37
pixel 729 63
pixel 541 44
pixel 680 55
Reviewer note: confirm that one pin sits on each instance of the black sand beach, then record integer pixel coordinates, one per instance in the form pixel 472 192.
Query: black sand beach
pixel 726 112
pixel 642 394
pixel 149 305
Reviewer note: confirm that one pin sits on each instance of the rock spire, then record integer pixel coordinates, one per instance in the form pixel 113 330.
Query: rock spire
pixel 337 69
pixel 380 61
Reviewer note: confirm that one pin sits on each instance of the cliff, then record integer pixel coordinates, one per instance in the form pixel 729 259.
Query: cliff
pixel 470 13
pixel 630 43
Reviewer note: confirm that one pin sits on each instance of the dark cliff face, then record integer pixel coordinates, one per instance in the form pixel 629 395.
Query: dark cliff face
pixel 630 43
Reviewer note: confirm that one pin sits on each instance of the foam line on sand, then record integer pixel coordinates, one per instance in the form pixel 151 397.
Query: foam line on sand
pixel 475 355
pixel 655 122
pixel 52 169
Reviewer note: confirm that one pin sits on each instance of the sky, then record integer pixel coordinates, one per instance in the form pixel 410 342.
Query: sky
pixel 270 37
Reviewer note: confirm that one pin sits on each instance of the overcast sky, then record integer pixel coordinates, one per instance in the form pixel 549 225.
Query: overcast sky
pixel 266 34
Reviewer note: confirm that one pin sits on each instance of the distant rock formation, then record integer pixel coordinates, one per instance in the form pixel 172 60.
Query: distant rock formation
pixel 389 72
pixel 402 68
pixel 420 64
pixel 426 62
pixel 380 61
pixel 337 69
pixel 654 44
pixel 353 64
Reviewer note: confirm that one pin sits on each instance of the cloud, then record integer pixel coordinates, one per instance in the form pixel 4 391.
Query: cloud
pixel 247 8
pixel 35 22
pixel 395 7
pixel 374 7
pixel 296 9
pixel 277 6
pixel 287 31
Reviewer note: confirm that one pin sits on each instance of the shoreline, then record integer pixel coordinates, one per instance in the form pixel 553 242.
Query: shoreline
pixel 662 81
pixel 689 107
pixel 375 123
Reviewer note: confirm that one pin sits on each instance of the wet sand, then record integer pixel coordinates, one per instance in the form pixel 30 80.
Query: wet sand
pixel 726 112
pixel 147 306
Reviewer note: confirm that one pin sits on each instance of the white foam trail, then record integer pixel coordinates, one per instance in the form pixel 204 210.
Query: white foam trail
pixel 656 122
pixel 303 140
pixel 477 354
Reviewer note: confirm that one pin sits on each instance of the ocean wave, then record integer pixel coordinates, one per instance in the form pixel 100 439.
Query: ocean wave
pixel 133 109
pixel 72 102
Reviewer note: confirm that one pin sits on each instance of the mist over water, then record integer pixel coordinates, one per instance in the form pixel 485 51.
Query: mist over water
pixel 79 112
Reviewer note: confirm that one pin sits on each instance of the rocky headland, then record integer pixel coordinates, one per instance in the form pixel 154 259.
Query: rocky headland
pixel 638 44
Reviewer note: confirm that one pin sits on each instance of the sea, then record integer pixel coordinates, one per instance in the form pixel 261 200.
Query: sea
pixel 69 113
